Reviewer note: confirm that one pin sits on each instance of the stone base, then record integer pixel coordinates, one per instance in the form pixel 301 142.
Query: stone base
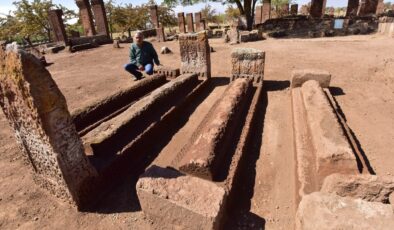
pixel 176 201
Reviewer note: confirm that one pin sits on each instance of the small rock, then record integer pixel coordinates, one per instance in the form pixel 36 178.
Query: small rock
pixel 165 50
pixel 116 44
pixel 35 218
pixel 212 50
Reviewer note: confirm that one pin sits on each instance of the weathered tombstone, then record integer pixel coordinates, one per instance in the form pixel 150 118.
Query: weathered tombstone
pixel 285 9
pixel 258 15
pixel 181 23
pixel 197 18
pixel 57 25
pixel 153 16
pixel 380 7
pixel 100 17
pixel 248 63
pixel 160 35
pixel 316 8
pixel 190 23
pixel 116 44
pixel 37 112
pixel 352 8
pixel 294 9
pixel 86 17
pixel 266 10
pixel 195 54
pixel 203 24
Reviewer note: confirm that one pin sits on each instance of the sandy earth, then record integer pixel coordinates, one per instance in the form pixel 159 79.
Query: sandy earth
pixel 363 79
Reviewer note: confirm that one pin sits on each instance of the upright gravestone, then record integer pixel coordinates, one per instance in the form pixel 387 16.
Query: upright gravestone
pixel 181 22
pixel 248 63
pixel 37 112
pixel 258 15
pixel 294 9
pixel 57 25
pixel 100 17
pixel 316 10
pixel 352 8
pixel 266 10
pixel 195 54
pixel 154 17
pixel 197 18
pixel 86 17
pixel 190 22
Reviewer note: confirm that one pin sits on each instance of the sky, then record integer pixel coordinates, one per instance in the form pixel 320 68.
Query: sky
pixel 6 5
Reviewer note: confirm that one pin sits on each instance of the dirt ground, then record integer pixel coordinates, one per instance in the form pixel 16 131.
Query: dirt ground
pixel 362 70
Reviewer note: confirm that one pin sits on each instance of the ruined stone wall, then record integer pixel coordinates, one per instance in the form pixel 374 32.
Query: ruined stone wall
pixel 57 25
pixel 195 54
pixel 248 63
pixel 100 17
pixel 37 112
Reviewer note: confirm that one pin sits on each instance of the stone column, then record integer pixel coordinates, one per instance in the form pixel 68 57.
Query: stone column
pixel 352 7
pixel 316 8
pixel 154 16
pixel 37 112
pixel 195 54
pixel 258 15
pixel 181 22
pixel 86 17
pixel 57 25
pixel 197 18
pixel 294 9
pixel 100 17
pixel 190 22
pixel 266 10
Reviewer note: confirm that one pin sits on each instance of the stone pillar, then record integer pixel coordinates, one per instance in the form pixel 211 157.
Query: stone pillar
pixel 190 23
pixel 380 7
pixel 195 54
pixel 258 15
pixel 181 23
pixel 154 16
pixel 57 25
pixel 100 17
pixel 266 10
pixel 316 8
pixel 37 112
pixel 248 63
pixel 85 15
pixel 294 9
pixel 352 7
pixel 197 18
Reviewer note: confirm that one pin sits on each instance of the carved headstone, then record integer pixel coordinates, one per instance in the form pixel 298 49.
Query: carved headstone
pixel 352 8
pixel 266 10
pixel 181 23
pixel 195 54
pixel 153 16
pixel 37 112
pixel 57 25
pixel 294 9
pixel 316 8
pixel 86 17
pixel 190 23
pixel 100 17
pixel 248 63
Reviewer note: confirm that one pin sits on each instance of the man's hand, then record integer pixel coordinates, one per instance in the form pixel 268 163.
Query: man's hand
pixel 141 68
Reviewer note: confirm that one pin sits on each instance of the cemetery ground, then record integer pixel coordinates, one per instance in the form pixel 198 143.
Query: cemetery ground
pixel 362 69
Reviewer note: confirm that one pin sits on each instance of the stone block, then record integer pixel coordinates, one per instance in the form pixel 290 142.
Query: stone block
pixel 300 76
pixel 195 54
pixel 205 154
pixel 328 212
pixel 248 63
pixel 37 112
pixel 108 138
pixel 333 152
pixel 367 187
pixel 176 201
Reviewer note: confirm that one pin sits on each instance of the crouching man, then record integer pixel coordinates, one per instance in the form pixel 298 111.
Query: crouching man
pixel 142 56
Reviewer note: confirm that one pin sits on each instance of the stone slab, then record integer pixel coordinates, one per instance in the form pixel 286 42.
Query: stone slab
pixel 204 156
pixel 37 112
pixel 108 136
pixel 298 77
pixel 328 212
pixel 176 201
pixel 332 150
pixel 367 187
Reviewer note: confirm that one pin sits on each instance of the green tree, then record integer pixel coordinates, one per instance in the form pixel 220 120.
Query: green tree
pixel 32 17
pixel 231 13
pixel 245 7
